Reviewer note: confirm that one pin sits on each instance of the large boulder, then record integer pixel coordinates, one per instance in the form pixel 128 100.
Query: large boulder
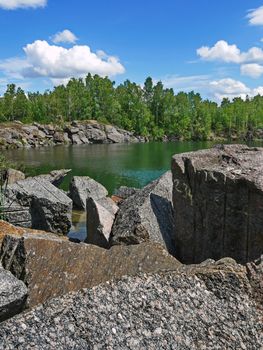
pixel 36 203
pixel 147 216
pixel 100 218
pixel 13 294
pixel 125 192
pixel 51 266
pixel 55 177
pixel 12 176
pixel 173 310
pixel 218 203
pixel 83 187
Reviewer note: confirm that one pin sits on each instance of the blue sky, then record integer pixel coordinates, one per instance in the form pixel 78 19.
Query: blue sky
pixel 213 47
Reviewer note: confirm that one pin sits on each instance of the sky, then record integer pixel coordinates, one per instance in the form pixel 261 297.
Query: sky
pixel 212 47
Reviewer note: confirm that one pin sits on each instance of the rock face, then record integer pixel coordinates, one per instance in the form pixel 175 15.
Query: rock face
pixel 17 135
pixel 13 295
pixel 100 218
pixel 218 203
pixel 36 203
pixel 83 187
pixel 52 266
pixel 173 310
pixel 147 216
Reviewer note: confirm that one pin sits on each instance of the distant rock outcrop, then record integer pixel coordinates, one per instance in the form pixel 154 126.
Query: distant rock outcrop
pixel 218 203
pixel 17 135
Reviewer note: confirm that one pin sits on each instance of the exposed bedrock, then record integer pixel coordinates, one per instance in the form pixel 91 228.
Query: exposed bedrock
pixel 218 203
pixel 147 216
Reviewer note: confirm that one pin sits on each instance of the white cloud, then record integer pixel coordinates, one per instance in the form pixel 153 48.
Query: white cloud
pixel 222 51
pixel 252 70
pixel 15 4
pixel 230 88
pixel 59 63
pixel 256 16
pixel 66 36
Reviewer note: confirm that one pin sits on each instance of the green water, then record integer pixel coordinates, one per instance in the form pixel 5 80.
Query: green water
pixel 112 165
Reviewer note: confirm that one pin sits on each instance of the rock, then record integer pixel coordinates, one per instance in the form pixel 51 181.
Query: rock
pixel 45 207
pixel 55 177
pixel 95 133
pixel 13 294
pixel 52 266
pixel 124 192
pixel 147 216
pixel 82 187
pixel 113 135
pixel 12 176
pixel 100 218
pixel 218 204
pixel 170 310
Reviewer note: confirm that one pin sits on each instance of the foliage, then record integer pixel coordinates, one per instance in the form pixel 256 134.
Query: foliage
pixel 149 110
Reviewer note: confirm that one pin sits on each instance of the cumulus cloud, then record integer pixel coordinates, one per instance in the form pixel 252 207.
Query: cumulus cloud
pixel 15 4
pixel 256 16
pixel 221 51
pixel 66 36
pixel 224 52
pixel 60 64
pixel 230 88
pixel 253 70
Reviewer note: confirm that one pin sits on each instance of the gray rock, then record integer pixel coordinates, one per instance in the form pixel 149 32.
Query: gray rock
pixel 13 294
pixel 100 218
pixel 173 310
pixel 52 266
pixel 55 177
pixel 13 175
pixel 218 204
pixel 82 187
pixel 95 133
pixel 48 208
pixel 124 192
pixel 113 135
pixel 147 215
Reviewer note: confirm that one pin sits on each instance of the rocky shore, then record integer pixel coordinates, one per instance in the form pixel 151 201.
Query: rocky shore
pixel 175 265
pixel 18 135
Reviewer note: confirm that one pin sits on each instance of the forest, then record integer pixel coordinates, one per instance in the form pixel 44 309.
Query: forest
pixel 148 110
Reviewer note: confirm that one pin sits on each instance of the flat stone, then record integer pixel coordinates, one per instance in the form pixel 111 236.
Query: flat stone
pixel 52 266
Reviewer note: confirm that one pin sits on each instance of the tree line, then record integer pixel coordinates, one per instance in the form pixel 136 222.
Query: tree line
pixel 148 110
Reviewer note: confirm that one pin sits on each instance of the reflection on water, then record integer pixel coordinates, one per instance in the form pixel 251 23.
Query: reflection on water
pixel 78 229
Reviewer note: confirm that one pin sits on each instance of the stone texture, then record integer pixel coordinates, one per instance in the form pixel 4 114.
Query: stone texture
pixel 147 215
pixel 100 218
pixel 13 295
pixel 125 192
pixel 173 310
pixel 82 187
pixel 12 176
pixel 55 177
pixel 43 206
pixel 218 203
pixel 52 266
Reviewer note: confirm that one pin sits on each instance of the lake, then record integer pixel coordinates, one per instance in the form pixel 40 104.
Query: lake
pixel 113 165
